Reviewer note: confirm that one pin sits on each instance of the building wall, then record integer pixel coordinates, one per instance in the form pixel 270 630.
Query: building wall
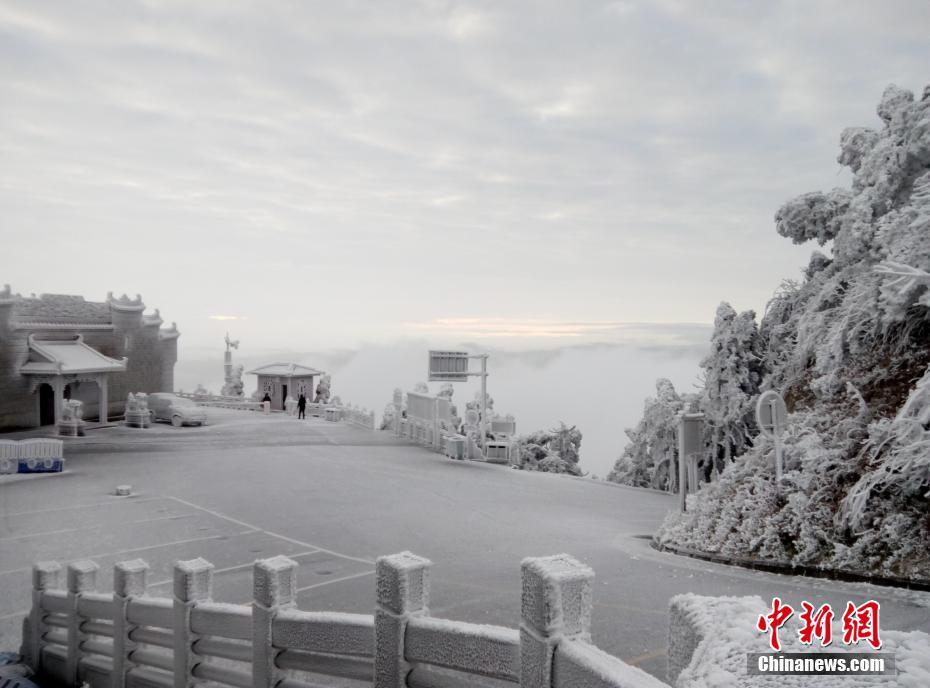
pixel 18 407
pixel 293 388
pixel 150 367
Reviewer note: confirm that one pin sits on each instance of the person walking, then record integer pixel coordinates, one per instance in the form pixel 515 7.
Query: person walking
pixel 302 406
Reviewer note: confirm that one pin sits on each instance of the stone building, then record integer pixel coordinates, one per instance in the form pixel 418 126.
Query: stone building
pixel 56 346
pixel 281 380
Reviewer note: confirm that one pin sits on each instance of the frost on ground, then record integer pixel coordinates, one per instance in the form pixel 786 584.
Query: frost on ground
pixel 710 637
pixel 849 347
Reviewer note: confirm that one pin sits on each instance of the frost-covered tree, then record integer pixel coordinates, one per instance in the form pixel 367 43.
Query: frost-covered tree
pixel 813 216
pixel 849 347
pixel 651 457
pixel 732 373
pixel 552 451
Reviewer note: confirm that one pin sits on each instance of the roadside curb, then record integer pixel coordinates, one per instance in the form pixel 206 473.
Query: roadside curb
pixel 797 570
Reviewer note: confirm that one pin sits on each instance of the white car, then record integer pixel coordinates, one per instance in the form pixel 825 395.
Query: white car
pixel 177 410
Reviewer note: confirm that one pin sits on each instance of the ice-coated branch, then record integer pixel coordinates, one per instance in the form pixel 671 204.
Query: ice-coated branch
pixel 905 276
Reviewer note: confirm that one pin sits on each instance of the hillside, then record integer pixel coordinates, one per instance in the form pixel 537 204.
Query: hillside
pixel 849 347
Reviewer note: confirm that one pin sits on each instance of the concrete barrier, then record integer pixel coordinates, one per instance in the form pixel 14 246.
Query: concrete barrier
pixel 128 639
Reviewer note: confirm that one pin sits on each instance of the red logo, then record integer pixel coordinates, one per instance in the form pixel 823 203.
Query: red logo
pixel 859 623
pixel 817 624
pixel 772 622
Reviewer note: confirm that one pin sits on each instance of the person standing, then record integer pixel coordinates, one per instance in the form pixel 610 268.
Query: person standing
pixel 302 406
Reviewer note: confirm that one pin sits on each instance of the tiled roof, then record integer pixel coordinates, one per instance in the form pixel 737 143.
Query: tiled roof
pixel 67 356
pixel 285 370
pixel 60 309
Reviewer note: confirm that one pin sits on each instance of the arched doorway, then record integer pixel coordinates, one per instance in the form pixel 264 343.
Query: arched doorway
pixel 46 404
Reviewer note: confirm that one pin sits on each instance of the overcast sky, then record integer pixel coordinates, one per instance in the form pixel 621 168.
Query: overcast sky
pixel 331 173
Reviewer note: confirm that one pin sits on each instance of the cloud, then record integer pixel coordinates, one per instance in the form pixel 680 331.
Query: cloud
pixel 599 161
pixel 513 331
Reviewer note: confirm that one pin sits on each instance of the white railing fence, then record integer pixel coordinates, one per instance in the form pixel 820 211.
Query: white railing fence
pixel 219 401
pixel 362 418
pixel 428 419
pixel 34 455
pixel 77 635
pixel 350 414
pixel 429 423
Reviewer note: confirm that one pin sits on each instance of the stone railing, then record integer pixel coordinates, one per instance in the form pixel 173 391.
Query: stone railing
pixel 359 417
pixel 218 401
pixel 36 455
pixel 76 635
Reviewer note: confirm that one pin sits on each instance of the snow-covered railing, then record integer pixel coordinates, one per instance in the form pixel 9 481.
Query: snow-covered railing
pixel 218 401
pixel 34 455
pixel 502 428
pixel 429 419
pixel 359 417
pixel 77 635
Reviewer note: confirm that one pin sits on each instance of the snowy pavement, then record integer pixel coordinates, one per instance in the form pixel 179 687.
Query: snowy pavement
pixel 335 497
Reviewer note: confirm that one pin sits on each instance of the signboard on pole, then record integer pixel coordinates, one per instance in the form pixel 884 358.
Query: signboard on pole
pixel 690 446
pixel 772 417
pixel 448 366
pixel 771 413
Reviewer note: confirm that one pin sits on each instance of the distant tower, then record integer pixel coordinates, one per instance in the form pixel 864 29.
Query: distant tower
pixel 233 378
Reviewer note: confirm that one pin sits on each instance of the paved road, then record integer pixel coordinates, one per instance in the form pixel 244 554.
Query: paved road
pixel 335 497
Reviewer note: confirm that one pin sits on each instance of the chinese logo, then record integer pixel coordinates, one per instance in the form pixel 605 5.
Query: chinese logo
pixel 859 623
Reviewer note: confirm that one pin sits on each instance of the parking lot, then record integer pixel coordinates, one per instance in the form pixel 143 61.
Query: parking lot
pixel 334 497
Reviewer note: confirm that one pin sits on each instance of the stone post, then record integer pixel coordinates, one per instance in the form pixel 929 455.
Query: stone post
pixel 103 399
pixel 46 575
pixel 398 410
pixel 129 580
pixel 274 587
pixel 193 583
pixel 437 443
pixel 403 593
pixel 58 388
pixel 82 577
pixel 555 606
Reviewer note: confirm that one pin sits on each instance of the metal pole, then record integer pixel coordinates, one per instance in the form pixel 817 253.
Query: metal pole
pixel 776 430
pixel 484 399
pixel 682 469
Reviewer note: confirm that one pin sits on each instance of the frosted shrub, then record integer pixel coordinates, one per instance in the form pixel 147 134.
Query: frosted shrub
pixel 551 451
